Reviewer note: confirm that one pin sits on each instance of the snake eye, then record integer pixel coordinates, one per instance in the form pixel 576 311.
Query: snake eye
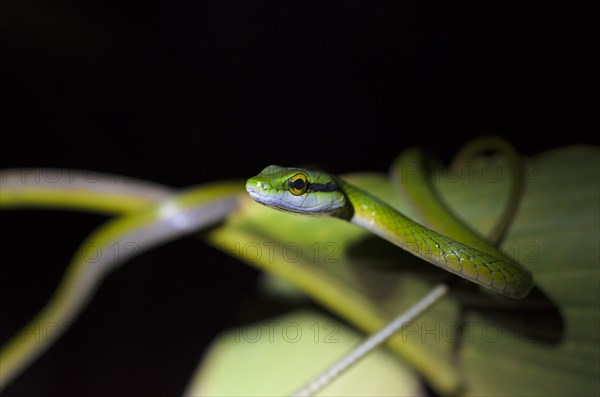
pixel 298 184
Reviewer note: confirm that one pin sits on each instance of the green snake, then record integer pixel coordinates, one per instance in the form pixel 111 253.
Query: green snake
pixel 318 193
pixel 153 214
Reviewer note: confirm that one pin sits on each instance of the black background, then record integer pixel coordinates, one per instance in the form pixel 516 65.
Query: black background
pixel 185 92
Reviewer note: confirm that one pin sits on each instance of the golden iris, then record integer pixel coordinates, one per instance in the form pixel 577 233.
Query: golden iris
pixel 298 184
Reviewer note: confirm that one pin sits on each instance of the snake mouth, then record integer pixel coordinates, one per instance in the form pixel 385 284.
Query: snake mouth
pixel 273 202
pixel 253 191
pixel 256 196
pixel 261 198
pixel 267 200
pixel 278 204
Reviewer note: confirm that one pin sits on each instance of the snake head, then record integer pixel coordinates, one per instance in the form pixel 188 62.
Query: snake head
pixel 297 190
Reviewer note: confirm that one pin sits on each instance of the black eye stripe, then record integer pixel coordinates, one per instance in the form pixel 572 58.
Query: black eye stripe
pixel 324 187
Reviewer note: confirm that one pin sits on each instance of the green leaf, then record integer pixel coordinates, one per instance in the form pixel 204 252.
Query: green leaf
pixel 272 357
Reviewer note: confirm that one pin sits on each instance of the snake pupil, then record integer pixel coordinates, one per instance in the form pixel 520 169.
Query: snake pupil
pixel 298 184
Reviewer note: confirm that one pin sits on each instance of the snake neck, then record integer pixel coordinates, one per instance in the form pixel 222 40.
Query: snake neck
pixel 370 213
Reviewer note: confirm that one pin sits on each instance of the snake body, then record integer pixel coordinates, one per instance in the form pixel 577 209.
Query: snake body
pixel 153 214
pixel 309 192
